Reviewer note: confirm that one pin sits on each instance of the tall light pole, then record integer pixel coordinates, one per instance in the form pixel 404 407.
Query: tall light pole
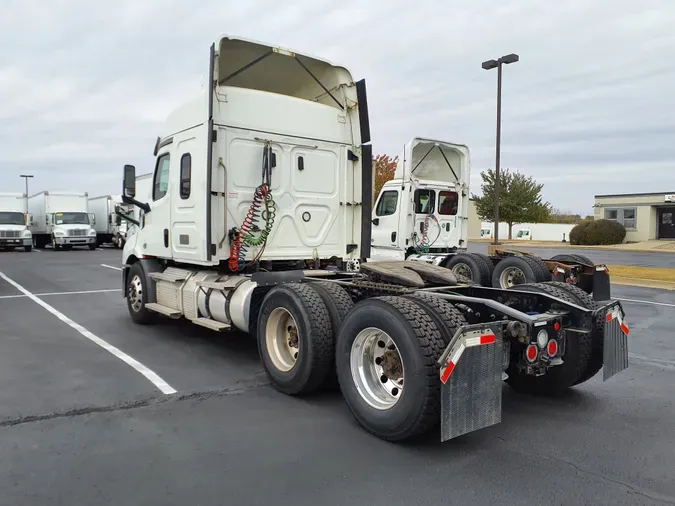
pixel 489 65
pixel 26 176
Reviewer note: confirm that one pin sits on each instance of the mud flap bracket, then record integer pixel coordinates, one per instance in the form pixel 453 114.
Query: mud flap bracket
pixel 471 380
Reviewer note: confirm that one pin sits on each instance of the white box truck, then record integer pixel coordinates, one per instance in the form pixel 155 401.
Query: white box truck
pixel 109 225
pixel 14 230
pixel 61 219
pixel 260 217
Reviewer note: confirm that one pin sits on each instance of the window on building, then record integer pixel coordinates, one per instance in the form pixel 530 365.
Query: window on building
pixel 626 216
pixel 447 202
pixel 185 171
pixel 387 204
pixel 425 201
pixel 161 179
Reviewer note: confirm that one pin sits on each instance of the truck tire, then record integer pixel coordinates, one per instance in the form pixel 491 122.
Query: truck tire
pixel 294 336
pixel 545 272
pixel 137 296
pixel 27 249
pixel 339 303
pixel 55 247
pixel 380 340
pixel 446 316
pixel 488 263
pixel 464 264
pixel 565 259
pixel 92 247
pixel 582 259
pixel 576 358
pixel 515 270
pixel 598 334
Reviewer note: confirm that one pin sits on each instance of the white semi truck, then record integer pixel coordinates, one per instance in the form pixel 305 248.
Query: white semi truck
pixel 422 215
pixel 110 226
pixel 260 213
pixel 14 222
pixel 62 220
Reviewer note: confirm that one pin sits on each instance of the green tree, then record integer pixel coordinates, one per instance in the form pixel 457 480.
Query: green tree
pixel 520 199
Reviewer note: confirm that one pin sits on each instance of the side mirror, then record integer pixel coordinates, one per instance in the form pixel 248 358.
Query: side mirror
pixel 129 184
pixel 92 218
pixel 118 220
pixel 376 221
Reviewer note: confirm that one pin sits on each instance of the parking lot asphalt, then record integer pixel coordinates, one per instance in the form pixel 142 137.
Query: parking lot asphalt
pixel 644 259
pixel 78 425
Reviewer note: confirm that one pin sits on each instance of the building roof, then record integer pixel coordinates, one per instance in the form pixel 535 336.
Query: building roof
pixel 653 194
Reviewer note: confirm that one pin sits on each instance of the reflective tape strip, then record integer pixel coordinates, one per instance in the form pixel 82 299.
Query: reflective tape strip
pixel 445 374
pixel 488 338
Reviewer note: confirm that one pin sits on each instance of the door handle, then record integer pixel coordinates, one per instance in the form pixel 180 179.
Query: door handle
pixel 166 237
pixel 376 221
pixel 393 237
pixel 447 227
pixel 421 227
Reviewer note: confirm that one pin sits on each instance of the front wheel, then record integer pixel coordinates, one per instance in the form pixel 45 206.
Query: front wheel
pixel 92 247
pixel 137 296
pixel 27 249
pixel 55 246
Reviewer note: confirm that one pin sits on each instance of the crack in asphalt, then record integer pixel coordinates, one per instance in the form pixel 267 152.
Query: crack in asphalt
pixel 154 400
pixel 632 489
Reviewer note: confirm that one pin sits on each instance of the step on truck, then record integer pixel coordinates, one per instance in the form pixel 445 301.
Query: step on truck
pixel 14 222
pixel 422 215
pixel 110 227
pixel 62 220
pixel 259 221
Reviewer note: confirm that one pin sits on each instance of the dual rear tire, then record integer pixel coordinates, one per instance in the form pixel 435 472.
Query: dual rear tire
pixel 383 351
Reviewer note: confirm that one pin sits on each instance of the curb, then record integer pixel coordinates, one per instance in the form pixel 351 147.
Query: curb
pixel 527 245
pixel 643 283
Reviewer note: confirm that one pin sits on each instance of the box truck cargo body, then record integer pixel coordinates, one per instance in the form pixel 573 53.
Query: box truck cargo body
pixel 14 230
pixel 110 227
pixel 62 219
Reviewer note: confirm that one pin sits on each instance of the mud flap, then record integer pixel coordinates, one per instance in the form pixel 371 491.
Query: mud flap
pixel 601 284
pixel 471 380
pixel 615 349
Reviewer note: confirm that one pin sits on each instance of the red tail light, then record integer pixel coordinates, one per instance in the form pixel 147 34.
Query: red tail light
pixel 531 353
pixel 552 348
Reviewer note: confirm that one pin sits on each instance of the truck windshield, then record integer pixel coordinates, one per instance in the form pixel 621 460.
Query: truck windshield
pixel 71 219
pixel 7 218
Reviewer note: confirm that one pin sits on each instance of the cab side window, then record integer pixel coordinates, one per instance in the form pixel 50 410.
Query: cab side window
pixel 387 204
pixel 185 173
pixel 161 178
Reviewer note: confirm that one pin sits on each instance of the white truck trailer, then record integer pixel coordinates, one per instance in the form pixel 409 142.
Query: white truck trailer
pixel 62 219
pixel 261 210
pixel 110 227
pixel 14 222
pixel 422 215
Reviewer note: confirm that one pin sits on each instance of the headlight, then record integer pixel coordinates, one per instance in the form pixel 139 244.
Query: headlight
pixel 542 338
pixel 26 233
pixel 58 232
pixel 92 232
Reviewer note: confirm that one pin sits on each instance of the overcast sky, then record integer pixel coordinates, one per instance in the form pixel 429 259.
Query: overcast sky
pixel 589 109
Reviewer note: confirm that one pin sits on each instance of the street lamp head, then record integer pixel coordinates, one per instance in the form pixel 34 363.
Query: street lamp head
pixel 509 58
pixel 24 175
pixel 490 64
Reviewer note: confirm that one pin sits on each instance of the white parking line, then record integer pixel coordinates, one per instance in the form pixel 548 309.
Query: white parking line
pixel 647 302
pixel 111 267
pixel 162 385
pixel 37 251
pixel 17 296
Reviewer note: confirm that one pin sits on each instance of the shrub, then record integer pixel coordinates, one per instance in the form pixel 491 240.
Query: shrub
pixel 577 233
pixel 598 232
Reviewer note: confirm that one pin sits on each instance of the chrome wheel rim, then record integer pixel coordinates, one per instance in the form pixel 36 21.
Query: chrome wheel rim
pixel 282 339
pixel 462 269
pixel 377 368
pixel 512 276
pixel 135 293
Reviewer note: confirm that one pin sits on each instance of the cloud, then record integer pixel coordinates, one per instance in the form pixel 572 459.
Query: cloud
pixel 587 110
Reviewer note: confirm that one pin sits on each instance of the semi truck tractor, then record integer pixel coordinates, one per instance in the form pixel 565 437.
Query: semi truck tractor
pixel 62 220
pixel 259 221
pixel 110 226
pixel 14 222
pixel 422 215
